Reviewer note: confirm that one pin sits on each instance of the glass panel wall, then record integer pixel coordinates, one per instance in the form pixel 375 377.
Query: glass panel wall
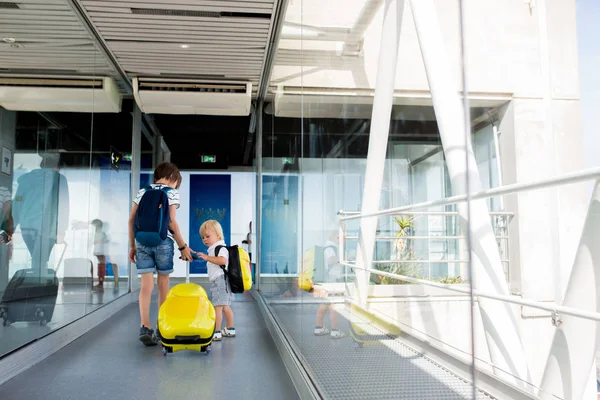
pixel 544 131
pixel 65 201
pixel 358 297
pixel 364 299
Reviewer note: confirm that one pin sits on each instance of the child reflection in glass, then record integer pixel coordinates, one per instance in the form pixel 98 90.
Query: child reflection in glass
pixel 101 251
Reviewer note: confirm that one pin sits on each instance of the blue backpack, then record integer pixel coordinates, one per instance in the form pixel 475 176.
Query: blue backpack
pixel 152 217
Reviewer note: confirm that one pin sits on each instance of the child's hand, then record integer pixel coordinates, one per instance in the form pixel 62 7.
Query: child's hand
pixel 202 256
pixel 186 254
pixel 132 255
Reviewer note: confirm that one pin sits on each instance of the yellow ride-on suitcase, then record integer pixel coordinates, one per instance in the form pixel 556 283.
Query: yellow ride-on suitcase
pixel 186 320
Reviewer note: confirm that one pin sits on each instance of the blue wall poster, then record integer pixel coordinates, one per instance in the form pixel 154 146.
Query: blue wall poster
pixel 210 198
pixel 279 224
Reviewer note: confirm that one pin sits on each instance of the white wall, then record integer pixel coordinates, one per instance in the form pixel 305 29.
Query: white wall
pixel 443 319
pixel 86 204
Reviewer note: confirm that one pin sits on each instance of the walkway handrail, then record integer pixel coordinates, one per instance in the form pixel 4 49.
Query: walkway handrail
pixel 420 237
pixel 588 174
pixel 449 213
pixel 552 307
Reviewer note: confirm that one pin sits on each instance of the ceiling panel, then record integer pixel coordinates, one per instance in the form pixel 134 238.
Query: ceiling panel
pixel 224 39
pixel 49 39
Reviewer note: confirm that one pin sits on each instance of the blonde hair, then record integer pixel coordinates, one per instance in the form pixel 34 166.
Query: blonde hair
pixel 213 225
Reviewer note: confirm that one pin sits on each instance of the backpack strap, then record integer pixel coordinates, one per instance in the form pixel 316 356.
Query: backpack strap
pixel 217 250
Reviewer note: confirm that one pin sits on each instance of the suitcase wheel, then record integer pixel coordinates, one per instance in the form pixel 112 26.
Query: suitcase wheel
pixel 43 322
pixel 207 349
pixel 358 345
pixel 165 351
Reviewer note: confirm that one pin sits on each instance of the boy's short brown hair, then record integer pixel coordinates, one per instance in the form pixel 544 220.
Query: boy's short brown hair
pixel 168 171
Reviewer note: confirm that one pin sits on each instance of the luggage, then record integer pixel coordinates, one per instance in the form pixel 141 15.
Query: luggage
pixel 313 267
pixel 152 217
pixel 29 297
pixel 238 272
pixel 186 320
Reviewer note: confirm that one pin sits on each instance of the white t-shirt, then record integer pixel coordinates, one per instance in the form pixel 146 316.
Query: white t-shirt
pixel 173 196
pixel 100 240
pixel 214 270
pixel 334 272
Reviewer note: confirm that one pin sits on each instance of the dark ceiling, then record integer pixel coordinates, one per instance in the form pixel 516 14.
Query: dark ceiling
pixel 191 136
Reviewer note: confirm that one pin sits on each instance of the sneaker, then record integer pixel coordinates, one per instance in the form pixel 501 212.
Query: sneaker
pixel 217 336
pixel 320 331
pixel 228 332
pixel 337 334
pixel 147 336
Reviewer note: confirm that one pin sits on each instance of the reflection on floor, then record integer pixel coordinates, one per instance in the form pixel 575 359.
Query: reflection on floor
pixel 73 302
pixel 384 368
pixel 109 362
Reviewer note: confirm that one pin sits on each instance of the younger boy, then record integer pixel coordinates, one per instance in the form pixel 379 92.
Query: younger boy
pixel 211 233
pixel 100 242
pixel 323 290
pixel 157 258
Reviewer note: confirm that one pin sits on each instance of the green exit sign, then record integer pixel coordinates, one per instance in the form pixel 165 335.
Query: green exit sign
pixel 288 160
pixel 209 159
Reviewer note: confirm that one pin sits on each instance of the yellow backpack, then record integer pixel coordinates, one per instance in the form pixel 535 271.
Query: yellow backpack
pixel 313 267
pixel 238 273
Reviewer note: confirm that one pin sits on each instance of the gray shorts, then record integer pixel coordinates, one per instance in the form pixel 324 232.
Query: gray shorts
pixel 220 292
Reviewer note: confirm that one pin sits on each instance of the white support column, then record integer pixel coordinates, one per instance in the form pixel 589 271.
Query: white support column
pixel 576 341
pixel 378 138
pixel 499 322
pixel 8 129
pixel 136 156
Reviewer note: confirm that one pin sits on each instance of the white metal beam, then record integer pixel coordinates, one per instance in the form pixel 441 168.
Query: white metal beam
pixel 136 156
pixel 378 138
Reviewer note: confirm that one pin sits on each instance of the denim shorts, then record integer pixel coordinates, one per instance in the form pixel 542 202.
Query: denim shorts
pixel 155 258
pixel 220 292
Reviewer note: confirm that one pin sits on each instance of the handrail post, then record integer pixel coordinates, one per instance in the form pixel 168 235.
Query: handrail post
pixel 342 245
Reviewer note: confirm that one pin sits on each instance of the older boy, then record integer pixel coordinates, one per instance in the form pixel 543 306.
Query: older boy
pixel 157 257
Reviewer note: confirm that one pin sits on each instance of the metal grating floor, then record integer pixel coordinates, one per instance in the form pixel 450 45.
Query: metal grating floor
pixel 384 368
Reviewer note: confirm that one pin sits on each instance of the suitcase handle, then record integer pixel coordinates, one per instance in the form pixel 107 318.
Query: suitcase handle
pixel 187 272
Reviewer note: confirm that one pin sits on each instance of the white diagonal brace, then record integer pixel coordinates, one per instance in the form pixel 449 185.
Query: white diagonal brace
pixel 378 139
pixel 575 343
